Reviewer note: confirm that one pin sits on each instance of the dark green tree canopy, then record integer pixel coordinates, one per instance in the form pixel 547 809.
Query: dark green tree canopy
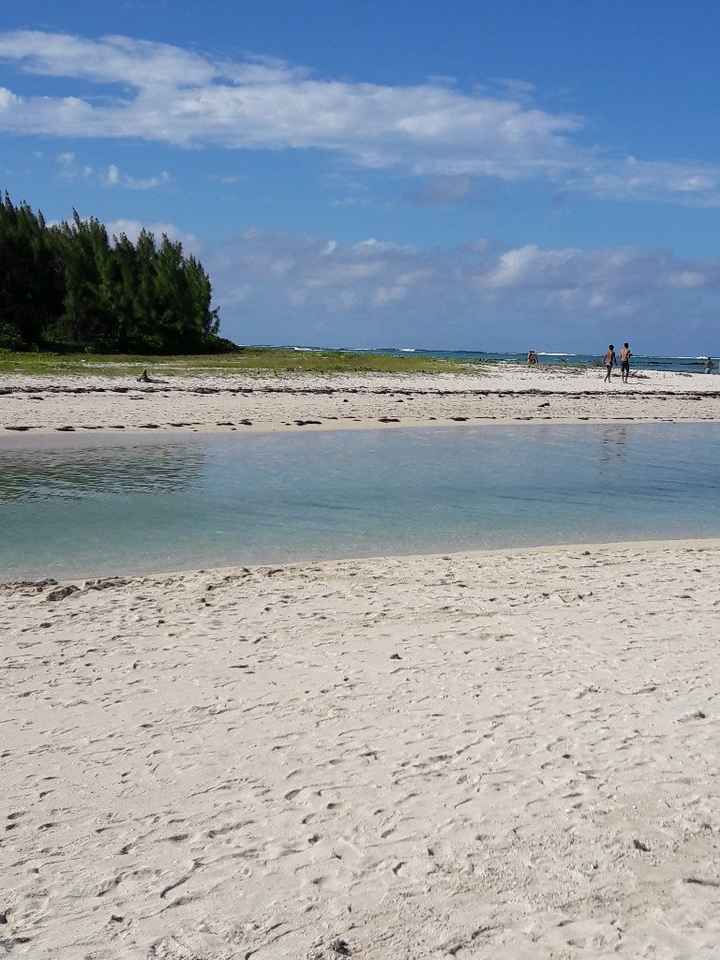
pixel 73 287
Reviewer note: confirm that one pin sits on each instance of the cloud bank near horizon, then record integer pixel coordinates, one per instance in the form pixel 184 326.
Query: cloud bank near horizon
pixel 163 93
pixel 284 288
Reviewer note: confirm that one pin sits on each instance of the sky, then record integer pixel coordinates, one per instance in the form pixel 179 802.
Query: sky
pixel 491 176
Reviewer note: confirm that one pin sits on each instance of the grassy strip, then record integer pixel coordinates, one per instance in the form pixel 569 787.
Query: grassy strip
pixel 248 360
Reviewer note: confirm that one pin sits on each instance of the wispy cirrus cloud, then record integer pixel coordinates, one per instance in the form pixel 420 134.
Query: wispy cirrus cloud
pixel 632 178
pixel 70 168
pixel 163 93
pixel 113 176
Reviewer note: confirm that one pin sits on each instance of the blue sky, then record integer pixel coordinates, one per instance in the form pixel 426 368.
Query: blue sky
pixel 481 176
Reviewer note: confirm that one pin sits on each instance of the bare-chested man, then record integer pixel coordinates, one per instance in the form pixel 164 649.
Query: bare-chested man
pixel 625 355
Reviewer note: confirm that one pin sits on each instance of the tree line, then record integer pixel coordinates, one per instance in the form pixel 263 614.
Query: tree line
pixel 71 286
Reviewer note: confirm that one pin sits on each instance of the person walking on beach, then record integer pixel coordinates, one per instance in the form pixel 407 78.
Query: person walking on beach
pixel 625 355
pixel 709 365
pixel 610 361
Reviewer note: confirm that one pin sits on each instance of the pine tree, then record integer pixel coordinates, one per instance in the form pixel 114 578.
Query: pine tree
pixel 71 286
pixel 30 276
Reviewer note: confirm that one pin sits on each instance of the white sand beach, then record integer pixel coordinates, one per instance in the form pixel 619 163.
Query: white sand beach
pixel 500 755
pixel 245 402
pixel 341 616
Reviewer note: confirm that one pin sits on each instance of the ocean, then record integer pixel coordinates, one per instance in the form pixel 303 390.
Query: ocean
pixel 639 362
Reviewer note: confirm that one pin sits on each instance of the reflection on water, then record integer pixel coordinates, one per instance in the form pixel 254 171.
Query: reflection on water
pixel 169 503
pixel 37 475
pixel 612 443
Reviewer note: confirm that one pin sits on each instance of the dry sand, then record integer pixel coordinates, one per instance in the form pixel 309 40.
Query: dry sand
pixel 315 402
pixel 509 755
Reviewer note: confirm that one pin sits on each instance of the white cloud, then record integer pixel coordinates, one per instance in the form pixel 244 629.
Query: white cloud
pixel 283 288
pixel 8 100
pixel 163 93
pixel 372 246
pixel 516 88
pixel 183 98
pixel 114 59
pixel 530 267
pixel 114 177
pixel 110 176
pixel 687 279
pixel 691 183
pixel 132 229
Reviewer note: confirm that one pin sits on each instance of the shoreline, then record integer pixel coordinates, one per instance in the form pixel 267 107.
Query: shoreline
pixel 550 550
pixel 16 434
pixel 505 752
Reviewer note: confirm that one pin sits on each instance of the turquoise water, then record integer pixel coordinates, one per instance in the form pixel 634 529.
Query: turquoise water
pixel 100 506
pixel 694 364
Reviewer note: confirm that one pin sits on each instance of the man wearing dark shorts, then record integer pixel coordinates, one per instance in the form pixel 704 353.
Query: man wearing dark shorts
pixel 610 360
pixel 625 355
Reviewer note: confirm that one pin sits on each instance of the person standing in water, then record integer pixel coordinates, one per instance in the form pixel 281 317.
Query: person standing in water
pixel 610 361
pixel 625 355
pixel 709 365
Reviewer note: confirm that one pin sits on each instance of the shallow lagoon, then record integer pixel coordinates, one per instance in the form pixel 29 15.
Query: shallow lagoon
pixel 95 506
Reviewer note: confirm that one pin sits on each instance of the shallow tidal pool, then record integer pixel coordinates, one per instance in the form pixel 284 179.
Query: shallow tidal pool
pixel 94 506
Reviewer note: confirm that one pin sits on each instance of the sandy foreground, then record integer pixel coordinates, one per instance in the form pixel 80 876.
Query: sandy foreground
pixel 312 402
pixel 496 755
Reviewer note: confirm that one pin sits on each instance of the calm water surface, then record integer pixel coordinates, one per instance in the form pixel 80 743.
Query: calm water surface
pixel 102 506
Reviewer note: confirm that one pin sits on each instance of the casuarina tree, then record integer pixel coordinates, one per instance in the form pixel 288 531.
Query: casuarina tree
pixel 73 286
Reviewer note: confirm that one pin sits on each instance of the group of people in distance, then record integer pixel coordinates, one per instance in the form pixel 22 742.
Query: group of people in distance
pixel 610 361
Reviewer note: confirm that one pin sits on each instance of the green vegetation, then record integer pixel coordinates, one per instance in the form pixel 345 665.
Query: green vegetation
pixel 75 301
pixel 72 287
pixel 260 360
